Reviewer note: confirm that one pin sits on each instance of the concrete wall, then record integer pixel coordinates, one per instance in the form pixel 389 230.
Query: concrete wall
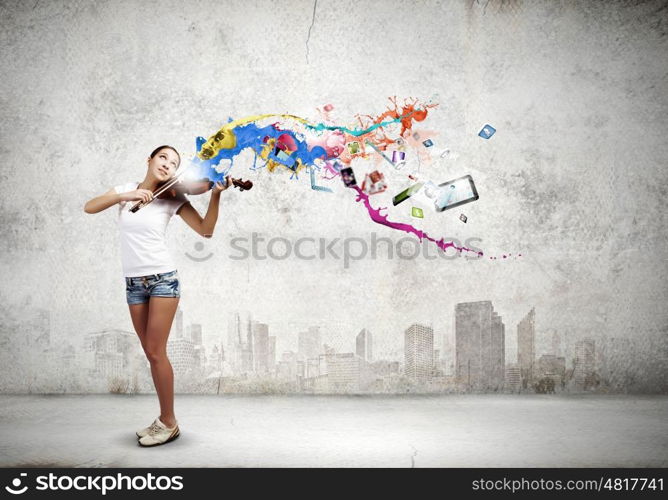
pixel 574 179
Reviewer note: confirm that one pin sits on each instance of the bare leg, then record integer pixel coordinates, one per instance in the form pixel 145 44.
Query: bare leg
pixel 161 313
pixel 139 315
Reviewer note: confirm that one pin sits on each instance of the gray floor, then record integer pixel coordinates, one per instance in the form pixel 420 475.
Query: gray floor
pixel 333 431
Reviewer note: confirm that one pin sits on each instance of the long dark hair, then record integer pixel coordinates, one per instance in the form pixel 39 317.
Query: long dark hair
pixel 165 146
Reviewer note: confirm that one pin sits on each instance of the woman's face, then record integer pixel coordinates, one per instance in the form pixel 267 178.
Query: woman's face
pixel 164 164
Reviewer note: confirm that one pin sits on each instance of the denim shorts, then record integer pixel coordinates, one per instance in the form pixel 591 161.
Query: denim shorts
pixel 140 289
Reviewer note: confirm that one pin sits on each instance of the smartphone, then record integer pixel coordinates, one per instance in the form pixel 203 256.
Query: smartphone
pixel 454 193
pixel 406 193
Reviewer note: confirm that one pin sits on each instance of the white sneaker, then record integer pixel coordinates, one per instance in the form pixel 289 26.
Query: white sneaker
pixel 159 433
pixel 144 432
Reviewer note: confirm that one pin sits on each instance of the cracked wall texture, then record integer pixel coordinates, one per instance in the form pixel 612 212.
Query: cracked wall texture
pixel 575 178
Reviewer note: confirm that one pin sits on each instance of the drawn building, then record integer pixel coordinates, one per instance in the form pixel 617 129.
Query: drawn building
pixel 526 353
pixel 479 347
pixel 363 345
pixel 419 352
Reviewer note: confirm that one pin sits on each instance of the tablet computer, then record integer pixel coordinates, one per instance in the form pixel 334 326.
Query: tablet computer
pixel 455 193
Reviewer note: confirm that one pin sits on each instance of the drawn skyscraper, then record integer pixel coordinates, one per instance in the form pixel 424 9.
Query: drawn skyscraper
pixel 498 353
pixel 526 353
pixel 181 354
pixel 271 354
pixel 419 352
pixel 196 338
pixel 309 343
pixel 216 359
pixel 247 356
pixel 196 333
pixel 177 325
pixel 363 346
pixel 479 346
pixel 260 346
pixel 240 344
pixel 234 343
pixel 583 366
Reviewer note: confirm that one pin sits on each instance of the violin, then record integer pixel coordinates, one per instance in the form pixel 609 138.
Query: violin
pixel 177 187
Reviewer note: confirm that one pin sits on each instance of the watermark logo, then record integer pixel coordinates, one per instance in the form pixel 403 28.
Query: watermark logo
pixel 103 483
pixel 199 246
pixel 16 483
pixel 347 250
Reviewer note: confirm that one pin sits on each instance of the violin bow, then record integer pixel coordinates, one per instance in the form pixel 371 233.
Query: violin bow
pixel 160 190
pixel 242 185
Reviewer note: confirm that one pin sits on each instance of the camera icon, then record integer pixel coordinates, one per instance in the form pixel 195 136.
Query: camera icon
pixel 16 483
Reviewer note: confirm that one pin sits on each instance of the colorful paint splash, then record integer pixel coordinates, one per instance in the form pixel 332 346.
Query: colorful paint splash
pixel 294 143
pixel 378 218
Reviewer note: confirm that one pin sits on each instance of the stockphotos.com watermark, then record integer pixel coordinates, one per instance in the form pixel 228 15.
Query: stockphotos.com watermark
pixel 257 246
pixel 102 483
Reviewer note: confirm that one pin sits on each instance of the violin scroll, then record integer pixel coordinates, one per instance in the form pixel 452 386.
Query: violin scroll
pixel 242 185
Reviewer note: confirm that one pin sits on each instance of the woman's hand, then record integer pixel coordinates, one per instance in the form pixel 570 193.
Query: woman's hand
pixel 138 194
pixel 219 187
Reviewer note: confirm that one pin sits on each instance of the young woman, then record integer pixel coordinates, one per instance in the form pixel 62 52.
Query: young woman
pixel 151 279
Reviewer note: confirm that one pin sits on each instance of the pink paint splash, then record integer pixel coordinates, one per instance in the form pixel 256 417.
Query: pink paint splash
pixel 379 218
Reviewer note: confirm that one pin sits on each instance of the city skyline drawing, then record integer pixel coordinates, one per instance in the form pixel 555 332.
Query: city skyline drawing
pixel 248 359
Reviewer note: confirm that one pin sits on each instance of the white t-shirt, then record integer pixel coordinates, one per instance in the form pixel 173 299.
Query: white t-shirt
pixel 143 246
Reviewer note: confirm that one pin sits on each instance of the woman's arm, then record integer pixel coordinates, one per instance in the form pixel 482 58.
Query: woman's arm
pixel 205 226
pixel 111 197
